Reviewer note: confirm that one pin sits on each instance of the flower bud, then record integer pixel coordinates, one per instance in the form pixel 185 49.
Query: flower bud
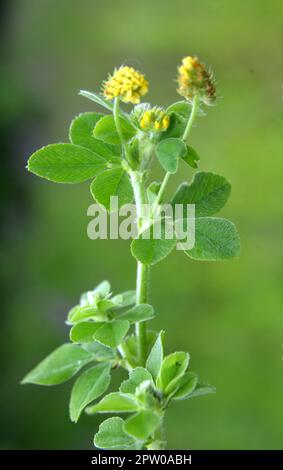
pixel 151 119
pixel 193 79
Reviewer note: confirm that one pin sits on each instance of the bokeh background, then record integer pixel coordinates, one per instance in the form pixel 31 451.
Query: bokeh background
pixel 228 315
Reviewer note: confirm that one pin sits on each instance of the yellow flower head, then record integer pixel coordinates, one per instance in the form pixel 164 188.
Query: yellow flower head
pixel 152 119
pixel 193 79
pixel 126 83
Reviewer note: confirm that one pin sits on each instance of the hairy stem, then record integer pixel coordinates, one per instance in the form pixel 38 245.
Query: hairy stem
pixel 140 197
pixel 184 137
pixel 192 117
pixel 141 298
pixel 142 270
pixel 159 442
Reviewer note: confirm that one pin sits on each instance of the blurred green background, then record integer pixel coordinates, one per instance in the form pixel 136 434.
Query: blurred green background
pixel 228 315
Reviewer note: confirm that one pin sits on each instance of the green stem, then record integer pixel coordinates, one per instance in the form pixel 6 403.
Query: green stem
pixel 158 441
pixel 184 137
pixel 142 269
pixel 160 193
pixel 140 196
pixel 116 115
pixel 192 117
pixel 141 298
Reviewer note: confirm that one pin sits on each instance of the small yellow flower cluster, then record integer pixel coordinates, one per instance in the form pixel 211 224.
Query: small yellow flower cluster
pixel 193 79
pixel 127 84
pixel 155 120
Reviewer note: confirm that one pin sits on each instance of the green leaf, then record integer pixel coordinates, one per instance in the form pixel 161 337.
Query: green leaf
pixel 216 239
pixel 114 182
pixel 183 108
pixel 106 130
pixel 125 299
pixel 172 367
pixel 112 436
pixel 191 157
pixel 100 352
pixel 202 389
pixel 141 312
pixel 59 366
pixel 99 99
pixel 82 313
pixel 111 334
pixel 90 298
pixel 66 163
pixel 105 305
pixel 130 349
pixel 182 387
pixel 180 107
pixel 142 425
pixel 153 249
pixel 176 127
pixel 155 358
pixel 169 152
pixel 115 402
pixel 80 133
pixel 208 191
pixel 83 332
pixel 136 377
pixel 152 191
pixel 89 386
pixel 72 312
pixel 103 289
